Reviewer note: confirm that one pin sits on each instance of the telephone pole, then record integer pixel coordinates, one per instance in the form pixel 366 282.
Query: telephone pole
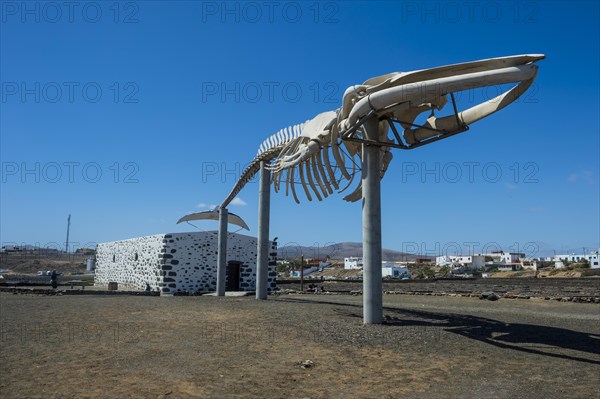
pixel 68 227
pixel 302 273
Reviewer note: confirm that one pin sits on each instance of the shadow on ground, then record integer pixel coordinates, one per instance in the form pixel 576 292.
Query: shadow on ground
pixel 516 336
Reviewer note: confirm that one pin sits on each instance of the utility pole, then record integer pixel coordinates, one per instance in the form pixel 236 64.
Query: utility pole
pixel 222 252
pixel 68 227
pixel 302 273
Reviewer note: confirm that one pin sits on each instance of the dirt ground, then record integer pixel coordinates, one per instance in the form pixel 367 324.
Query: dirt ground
pixel 206 347
pixel 556 288
pixel 25 263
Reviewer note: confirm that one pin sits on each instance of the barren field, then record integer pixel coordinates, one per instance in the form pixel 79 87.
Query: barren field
pixel 584 289
pixel 96 346
pixel 27 263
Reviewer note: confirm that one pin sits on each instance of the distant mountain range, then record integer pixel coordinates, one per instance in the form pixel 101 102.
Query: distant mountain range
pixel 343 250
pixel 339 250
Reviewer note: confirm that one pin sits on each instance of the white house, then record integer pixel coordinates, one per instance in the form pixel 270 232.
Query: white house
pixel 559 264
pixel 444 260
pixel 353 262
pixel 529 264
pixel 505 257
pixel 180 262
pixel 472 262
pixel 593 258
pixel 389 269
pixel 509 267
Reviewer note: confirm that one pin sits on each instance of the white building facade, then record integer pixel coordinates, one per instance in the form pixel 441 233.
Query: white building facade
pixel 180 262
pixel 389 269
pixel 353 262
pixel 507 257
pixel 472 262
pixel 593 258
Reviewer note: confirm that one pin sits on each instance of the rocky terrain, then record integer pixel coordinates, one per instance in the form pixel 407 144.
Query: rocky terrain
pixel 297 346
pixel 574 290
pixel 16 263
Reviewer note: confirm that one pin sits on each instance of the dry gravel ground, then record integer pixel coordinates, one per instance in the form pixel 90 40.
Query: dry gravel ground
pixel 21 263
pixel 206 347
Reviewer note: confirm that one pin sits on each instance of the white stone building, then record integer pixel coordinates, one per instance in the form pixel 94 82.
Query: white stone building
pixel 529 264
pixel 508 267
pixel 472 262
pixel 444 260
pixel 388 268
pixel 353 262
pixel 593 258
pixel 391 269
pixel 506 257
pixel 180 262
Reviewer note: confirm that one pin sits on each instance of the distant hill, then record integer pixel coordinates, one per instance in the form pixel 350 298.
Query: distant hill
pixel 339 251
pixel 30 263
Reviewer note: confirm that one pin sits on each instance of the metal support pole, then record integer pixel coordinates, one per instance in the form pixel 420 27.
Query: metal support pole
pixel 222 252
pixel 68 228
pixel 371 227
pixel 302 273
pixel 262 252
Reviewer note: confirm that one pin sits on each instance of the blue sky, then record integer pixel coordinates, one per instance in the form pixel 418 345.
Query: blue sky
pixel 131 116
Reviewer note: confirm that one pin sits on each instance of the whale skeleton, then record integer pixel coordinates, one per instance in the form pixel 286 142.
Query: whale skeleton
pixel 326 151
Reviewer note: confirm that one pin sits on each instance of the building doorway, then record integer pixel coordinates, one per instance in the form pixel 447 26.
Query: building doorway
pixel 233 275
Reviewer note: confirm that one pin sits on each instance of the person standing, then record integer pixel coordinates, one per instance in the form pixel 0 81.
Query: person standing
pixel 53 281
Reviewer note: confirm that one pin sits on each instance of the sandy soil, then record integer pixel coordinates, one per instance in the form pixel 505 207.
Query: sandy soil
pixel 207 347
pixel 32 263
pixel 524 287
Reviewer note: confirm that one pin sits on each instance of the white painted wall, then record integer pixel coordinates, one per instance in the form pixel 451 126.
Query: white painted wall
pixel 394 271
pixel 470 261
pixel 353 262
pixel 593 258
pixel 177 262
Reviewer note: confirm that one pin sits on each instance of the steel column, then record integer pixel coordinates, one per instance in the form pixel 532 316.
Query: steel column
pixel 371 227
pixel 262 252
pixel 222 252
